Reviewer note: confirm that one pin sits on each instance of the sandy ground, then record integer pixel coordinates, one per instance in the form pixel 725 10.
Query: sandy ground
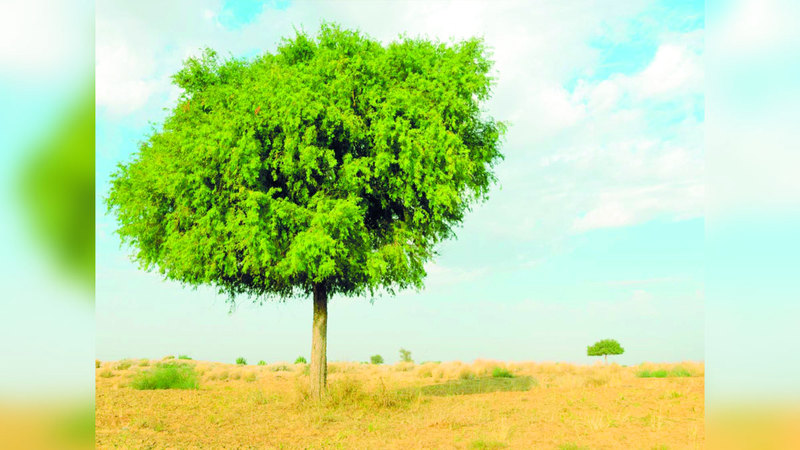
pixel 571 407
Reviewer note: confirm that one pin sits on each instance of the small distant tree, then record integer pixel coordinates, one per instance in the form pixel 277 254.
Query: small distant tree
pixel 300 360
pixel 405 355
pixel 376 359
pixel 241 361
pixel 604 348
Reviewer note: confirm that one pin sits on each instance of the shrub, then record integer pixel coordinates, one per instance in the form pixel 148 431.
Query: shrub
pixel 478 386
pixel 279 368
pixel 183 357
pixel 96 363
pixel 405 356
pixel 652 374
pixel 348 392
pixel 241 361
pixel 166 376
pixel 300 360
pixel 679 372
pixel 125 364
pixel 570 446
pixel 144 363
pixel 466 374
pixel 376 359
pixel 169 357
pixel 262 363
pixel 596 381
pixel 484 444
pixel 106 374
pixel 403 366
pixel 499 372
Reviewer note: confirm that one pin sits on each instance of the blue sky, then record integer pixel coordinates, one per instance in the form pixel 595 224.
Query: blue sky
pixel 595 230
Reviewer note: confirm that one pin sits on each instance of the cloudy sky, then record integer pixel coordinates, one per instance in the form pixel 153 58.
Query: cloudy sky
pixel 595 230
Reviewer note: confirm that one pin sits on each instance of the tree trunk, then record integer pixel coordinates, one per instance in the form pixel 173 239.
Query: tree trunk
pixel 606 358
pixel 319 360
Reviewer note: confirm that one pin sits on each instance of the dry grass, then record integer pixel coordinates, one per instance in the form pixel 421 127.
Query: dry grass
pixel 384 406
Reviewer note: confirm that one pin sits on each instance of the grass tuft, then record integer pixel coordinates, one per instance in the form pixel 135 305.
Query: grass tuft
pixel 348 392
pixel 677 372
pixel 478 386
pixel 499 372
pixel 125 364
pixel 571 446
pixel 166 376
pixel 484 444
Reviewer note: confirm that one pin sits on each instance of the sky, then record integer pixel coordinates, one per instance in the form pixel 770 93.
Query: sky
pixel 595 230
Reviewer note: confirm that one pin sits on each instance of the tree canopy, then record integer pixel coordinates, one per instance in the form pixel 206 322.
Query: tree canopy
pixel 335 161
pixel 605 347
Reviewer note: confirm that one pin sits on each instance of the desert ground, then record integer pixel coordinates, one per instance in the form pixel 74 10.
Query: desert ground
pixel 486 404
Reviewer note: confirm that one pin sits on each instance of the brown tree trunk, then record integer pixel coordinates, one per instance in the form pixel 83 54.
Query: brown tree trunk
pixel 319 360
pixel 606 358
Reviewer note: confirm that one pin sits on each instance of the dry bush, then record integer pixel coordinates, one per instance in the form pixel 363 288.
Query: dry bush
pixel 125 364
pixel 466 373
pixel 426 370
pixel 280 367
pixel 484 367
pixel 348 392
pixel 343 367
pixel 596 381
pixel 403 367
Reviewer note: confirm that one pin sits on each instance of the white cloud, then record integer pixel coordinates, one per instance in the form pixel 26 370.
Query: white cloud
pixel 607 153
pixel 439 275
pixel 674 68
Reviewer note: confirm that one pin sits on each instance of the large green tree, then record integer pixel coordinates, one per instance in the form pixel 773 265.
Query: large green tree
pixel 333 166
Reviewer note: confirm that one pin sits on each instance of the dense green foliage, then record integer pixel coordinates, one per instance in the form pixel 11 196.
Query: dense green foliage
pixel 376 359
pixel 605 347
pixel 171 375
pixel 405 355
pixel 241 361
pixel 336 162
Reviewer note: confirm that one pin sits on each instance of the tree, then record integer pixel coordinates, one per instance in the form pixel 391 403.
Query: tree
pixel 334 166
pixel 604 348
pixel 405 355
pixel 376 359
